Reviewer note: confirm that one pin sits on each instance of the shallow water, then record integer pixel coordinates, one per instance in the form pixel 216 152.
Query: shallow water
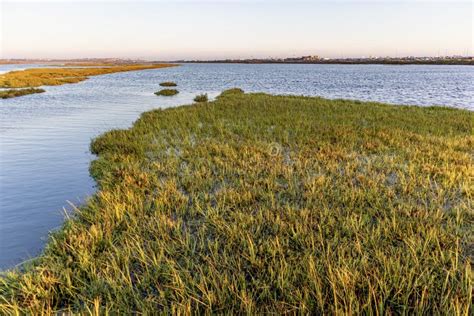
pixel 44 138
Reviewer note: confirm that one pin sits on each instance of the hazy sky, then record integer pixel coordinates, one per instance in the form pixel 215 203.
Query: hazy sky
pixel 232 29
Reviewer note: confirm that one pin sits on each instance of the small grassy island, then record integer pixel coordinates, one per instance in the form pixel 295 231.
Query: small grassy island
pixel 12 93
pixel 255 203
pixel 167 92
pixel 168 84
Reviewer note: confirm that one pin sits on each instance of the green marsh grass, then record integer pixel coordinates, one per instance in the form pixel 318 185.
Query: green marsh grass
pixel 267 204
pixel 201 98
pixel 167 92
pixel 12 93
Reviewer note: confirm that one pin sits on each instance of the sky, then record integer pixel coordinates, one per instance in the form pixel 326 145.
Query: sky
pixel 171 30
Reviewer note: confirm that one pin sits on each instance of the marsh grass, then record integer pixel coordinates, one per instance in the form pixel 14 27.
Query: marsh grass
pixel 168 84
pixel 167 92
pixel 12 93
pixel 268 204
pixel 201 98
pixel 35 77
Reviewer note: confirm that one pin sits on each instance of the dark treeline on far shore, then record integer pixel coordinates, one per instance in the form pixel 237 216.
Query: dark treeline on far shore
pixel 410 60
pixel 445 60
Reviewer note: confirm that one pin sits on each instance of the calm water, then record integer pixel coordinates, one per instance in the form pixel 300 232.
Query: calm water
pixel 44 138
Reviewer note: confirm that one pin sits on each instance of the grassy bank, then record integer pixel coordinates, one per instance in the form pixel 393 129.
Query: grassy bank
pixel 35 77
pixel 258 203
pixel 12 93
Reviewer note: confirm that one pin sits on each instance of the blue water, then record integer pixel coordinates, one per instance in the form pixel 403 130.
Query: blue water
pixel 44 138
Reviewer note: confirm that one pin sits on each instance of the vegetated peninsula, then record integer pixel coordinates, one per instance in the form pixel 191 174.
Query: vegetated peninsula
pixel 35 77
pixel 255 204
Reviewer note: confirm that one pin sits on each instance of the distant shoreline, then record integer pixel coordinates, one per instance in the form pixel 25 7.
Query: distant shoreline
pixel 330 62
pixel 305 60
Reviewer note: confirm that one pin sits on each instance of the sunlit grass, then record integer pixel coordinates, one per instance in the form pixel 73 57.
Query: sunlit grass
pixel 268 204
pixel 12 93
pixel 35 77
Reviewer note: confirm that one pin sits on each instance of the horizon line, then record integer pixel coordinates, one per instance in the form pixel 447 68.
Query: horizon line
pixel 240 58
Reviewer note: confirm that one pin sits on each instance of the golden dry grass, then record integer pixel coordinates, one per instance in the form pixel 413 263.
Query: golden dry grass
pixel 35 77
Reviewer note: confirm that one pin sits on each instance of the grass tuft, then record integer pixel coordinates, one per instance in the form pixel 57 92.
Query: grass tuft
pixel 167 92
pixel 201 98
pixel 168 84
pixel 256 204
pixel 12 93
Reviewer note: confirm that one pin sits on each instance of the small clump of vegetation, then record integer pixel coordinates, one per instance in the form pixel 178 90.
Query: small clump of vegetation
pixel 35 77
pixel 12 93
pixel 260 204
pixel 201 98
pixel 168 84
pixel 233 91
pixel 167 92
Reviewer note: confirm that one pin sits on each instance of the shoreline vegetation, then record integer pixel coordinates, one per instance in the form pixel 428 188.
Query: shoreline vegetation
pixel 255 203
pixel 201 98
pixel 463 62
pixel 407 60
pixel 35 77
pixel 12 93
pixel 411 60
